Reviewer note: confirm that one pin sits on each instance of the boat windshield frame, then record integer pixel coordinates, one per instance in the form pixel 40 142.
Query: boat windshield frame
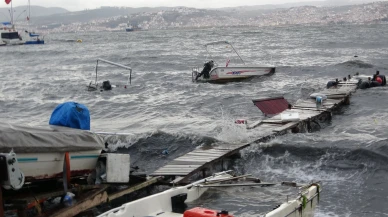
pixel 220 43
pixel 115 64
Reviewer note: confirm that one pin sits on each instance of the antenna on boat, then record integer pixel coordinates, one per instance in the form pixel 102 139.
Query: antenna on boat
pixel 236 53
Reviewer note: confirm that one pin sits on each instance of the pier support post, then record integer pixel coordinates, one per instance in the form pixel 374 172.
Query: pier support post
pixel 1 202
pixel 347 100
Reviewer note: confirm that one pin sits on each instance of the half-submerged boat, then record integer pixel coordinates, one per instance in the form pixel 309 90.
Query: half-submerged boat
pixel 231 71
pixel 171 203
pixel 106 85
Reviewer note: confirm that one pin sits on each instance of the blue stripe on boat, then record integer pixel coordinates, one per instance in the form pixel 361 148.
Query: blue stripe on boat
pixel 84 156
pixel 24 160
pixel 34 159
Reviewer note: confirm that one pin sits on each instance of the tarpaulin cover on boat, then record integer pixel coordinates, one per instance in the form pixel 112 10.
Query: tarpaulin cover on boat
pixel 49 139
pixel 71 114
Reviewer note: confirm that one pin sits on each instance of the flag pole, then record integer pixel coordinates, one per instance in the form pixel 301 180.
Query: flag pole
pixel 11 14
pixel 29 11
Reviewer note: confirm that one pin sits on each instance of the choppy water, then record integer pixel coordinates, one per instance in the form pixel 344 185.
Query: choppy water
pixel 163 109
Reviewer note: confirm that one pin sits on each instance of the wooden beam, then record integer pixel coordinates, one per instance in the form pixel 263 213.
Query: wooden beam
pixel 134 188
pixel 94 198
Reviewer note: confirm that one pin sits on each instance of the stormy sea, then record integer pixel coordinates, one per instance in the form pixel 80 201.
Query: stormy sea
pixel 162 109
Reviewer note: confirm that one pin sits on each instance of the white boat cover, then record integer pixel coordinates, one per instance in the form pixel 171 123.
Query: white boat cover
pixel 48 139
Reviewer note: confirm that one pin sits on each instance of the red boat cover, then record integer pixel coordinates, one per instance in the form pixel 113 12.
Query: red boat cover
pixel 271 106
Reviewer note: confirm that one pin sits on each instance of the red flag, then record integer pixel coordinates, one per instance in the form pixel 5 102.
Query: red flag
pixel 7 1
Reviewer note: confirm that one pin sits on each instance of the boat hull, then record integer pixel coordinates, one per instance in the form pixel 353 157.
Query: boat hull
pixel 43 166
pixel 227 74
pixel 35 42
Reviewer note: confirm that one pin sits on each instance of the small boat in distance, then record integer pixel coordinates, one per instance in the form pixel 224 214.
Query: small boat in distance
pixel 32 37
pixel 230 72
pixel 131 28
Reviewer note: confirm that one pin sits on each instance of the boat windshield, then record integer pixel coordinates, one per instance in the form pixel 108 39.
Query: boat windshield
pixel 10 35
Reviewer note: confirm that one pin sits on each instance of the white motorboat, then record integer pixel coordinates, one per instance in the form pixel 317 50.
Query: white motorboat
pixel 41 151
pixel 171 203
pixel 231 71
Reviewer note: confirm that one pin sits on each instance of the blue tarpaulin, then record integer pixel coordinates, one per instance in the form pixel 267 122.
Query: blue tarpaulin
pixel 71 114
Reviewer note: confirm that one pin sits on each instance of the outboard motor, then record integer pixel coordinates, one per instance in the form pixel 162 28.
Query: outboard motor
pixel 383 79
pixel 106 85
pixel 11 177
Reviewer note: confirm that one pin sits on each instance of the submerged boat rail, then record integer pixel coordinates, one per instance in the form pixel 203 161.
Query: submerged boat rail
pixel 95 85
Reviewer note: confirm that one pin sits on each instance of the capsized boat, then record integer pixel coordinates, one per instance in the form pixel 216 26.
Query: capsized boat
pixel 171 203
pixel 231 71
pixel 41 151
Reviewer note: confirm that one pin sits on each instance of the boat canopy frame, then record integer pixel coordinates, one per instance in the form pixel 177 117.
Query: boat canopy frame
pixel 222 42
pixel 129 81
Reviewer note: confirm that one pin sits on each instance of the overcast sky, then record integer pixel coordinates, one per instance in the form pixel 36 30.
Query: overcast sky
pixel 92 4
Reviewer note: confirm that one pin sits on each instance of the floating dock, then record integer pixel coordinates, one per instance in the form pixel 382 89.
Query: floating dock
pixel 199 160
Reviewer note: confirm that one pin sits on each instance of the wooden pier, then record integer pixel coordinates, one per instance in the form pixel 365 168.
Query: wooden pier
pixel 197 161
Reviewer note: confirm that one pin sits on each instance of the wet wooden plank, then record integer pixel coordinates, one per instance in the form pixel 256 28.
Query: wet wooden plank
pixel 184 158
pixel 169 173
pixel 209 153
pixel 177 162
pixel 174 171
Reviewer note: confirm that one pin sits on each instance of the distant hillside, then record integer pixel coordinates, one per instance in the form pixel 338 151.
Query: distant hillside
pixel 326 3
pixel 116 18
pixel 36 11
pixel 90 15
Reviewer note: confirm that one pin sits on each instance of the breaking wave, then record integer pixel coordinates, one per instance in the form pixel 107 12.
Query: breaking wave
pixel 356 64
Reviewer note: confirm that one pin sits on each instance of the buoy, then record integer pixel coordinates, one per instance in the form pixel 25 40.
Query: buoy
pixel 79 40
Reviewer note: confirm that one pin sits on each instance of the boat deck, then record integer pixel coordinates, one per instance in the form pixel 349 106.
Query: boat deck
pixel 202 158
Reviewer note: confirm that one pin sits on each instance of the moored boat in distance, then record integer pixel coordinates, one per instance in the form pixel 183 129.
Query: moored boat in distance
pixel 131 28
pixel 34 39
pixel 230 72
pixel 9 36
